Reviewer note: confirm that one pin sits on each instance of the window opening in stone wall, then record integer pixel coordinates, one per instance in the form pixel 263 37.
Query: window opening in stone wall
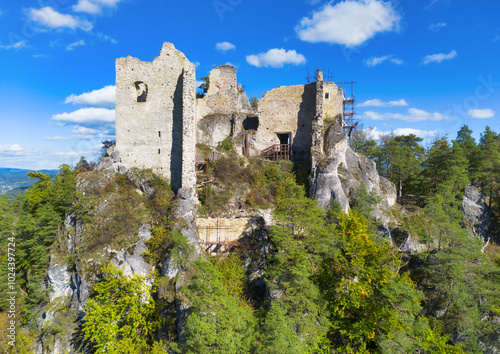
pixel 159 134
pixel 251 123
pixel 158 151
pixel 142 91
pixel 327 95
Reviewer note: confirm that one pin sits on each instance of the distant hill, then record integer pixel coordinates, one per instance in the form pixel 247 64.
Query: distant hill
pixel 14 180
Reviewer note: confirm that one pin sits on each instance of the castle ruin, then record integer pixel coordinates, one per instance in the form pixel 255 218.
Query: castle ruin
pixel 159 120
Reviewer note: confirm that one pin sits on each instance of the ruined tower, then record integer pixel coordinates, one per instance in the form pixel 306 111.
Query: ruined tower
pixel 156 115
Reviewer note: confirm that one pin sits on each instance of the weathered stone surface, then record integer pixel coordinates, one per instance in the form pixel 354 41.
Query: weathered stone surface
pixel 342 171
pixel 59 277
pixel 155 115
pixel 130 260
pixel 476 211
pixel 213 129
pixel 410 245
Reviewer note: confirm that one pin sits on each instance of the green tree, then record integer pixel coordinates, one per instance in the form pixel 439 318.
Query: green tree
pixel 401 163
pixel 299 241
pixel 217 321
pixel 468 144
pixel 7 241
pixel 435 164
pixel 488 162
pixel 371 304
pixel 361 141
pixel 121 316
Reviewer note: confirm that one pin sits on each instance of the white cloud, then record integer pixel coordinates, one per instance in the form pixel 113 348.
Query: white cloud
pixel 78 129
pixel 349 22
pixel 379 60
pixel 87 116
pixel 276 58
pixel 93 6
pixel 48 17
pixel 378 103
pixel 11 150
pixel 414 115
pixel 481 113
pixel 225 46
pixel 376 134
pixel 438 58
pixel 87 7
pixel 104 97
pixel 434 27
pixel 75 44
pixel 18 45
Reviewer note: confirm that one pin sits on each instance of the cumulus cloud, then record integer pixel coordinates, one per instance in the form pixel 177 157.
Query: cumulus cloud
pixel 11 150
pixel 438 58
pixel 350 22
pixel 72 46
pixel 87 116
pixel 93 6
pixel 225 46
pixel 378 103
pixel 434 27
pixel 50 18
pixel 18 45
pixel 87 7
pixel 379 60
pixel 276 58
pixel 78 129
pixel 376 134
pixel 414 115
pixel 104 97
pixel 481 113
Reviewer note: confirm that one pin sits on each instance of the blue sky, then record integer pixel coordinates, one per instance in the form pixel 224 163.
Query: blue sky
pixel 425 67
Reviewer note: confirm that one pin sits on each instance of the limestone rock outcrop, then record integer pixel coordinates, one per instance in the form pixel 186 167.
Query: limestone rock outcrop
pixel 478 218
pixel 340 171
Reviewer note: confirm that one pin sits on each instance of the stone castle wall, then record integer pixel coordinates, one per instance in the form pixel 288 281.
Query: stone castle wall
pixel 155 115
pixel 332 106
pixel 287 109
pixel 159 120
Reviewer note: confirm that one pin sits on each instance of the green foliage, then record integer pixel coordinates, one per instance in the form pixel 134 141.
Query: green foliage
pixel 233 274
pixel 369 302
pixel 226 144
pixel 254 101
pixel 121 316
pixel 366 202
pixel 38 228
pixel 7 228
pixel 217 321
pixel 299 240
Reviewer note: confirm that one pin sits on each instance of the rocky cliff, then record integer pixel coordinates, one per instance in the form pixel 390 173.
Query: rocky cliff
pixel 340 171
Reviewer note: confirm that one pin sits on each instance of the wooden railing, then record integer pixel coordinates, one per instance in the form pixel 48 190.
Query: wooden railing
pixel 278 151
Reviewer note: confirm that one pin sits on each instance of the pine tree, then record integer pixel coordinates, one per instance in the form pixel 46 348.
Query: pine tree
pixel 468 144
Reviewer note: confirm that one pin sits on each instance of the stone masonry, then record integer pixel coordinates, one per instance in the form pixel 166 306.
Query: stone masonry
pixel 156 113
pixel 159 120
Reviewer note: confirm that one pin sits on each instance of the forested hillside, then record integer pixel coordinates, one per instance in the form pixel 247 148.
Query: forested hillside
pixel 101 266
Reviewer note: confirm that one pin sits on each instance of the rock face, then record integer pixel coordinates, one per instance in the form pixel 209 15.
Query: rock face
pixel 341 171
pixel 476 211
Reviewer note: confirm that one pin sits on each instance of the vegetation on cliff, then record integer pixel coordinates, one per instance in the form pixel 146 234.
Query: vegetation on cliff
pixel 332 284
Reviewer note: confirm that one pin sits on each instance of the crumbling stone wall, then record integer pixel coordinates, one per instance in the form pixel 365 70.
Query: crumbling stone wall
pixel 332 100
pixel 287 109
pixel 155 115
pixel 221 111
pixel 317 123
